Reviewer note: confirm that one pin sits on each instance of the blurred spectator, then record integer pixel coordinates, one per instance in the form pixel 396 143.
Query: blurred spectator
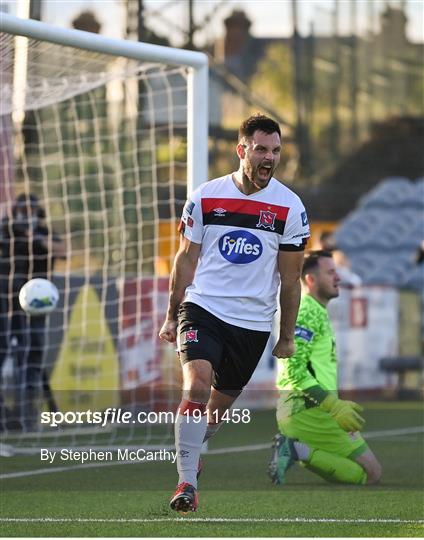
pixel 327 242
pixel 348 278
pixel 419 256
pixel 28 249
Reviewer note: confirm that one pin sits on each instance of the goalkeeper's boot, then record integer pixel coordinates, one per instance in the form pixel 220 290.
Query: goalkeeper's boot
pixel 185 499
pixel 282 458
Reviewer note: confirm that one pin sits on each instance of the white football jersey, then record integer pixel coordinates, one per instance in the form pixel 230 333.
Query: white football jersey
pixel 237 276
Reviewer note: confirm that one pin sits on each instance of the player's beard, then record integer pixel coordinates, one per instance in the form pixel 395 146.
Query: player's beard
pixel 329 292
pixel 256 178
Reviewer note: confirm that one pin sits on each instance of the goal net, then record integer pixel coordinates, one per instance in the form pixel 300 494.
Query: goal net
pixel 103 142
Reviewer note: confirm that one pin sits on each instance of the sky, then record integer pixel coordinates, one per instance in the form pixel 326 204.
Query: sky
pixel 270 18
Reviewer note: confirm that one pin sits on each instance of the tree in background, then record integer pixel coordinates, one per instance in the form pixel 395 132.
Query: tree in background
pixel 274 79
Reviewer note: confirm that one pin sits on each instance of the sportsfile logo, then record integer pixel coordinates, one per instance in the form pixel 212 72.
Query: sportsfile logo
pixel 240 247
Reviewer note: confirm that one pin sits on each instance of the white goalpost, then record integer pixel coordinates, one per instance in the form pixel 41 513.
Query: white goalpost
pixel 107 136
pixel 197 76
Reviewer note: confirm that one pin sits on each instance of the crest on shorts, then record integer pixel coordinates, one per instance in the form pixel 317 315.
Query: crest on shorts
pixel 266 219
pixel 191 336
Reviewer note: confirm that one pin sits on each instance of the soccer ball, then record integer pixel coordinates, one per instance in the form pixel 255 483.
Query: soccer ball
pixel 38 296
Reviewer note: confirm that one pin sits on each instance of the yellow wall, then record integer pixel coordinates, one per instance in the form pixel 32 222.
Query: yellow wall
pixel 317 228
pixel 169 240
pixel 168 245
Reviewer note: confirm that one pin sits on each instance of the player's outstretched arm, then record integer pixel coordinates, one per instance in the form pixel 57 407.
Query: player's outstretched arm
pixel 290 268
pixel 182 275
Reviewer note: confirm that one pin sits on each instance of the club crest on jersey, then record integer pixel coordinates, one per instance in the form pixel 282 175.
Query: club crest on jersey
pixel 191 336
pixel 266 219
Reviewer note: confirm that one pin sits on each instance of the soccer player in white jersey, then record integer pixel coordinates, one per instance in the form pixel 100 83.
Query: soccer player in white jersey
pixel 241 235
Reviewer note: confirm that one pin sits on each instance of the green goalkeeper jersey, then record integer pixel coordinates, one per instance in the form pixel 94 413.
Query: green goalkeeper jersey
pixel 307 377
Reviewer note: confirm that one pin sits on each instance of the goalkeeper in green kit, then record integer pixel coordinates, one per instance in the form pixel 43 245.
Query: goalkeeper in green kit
pixel 317 429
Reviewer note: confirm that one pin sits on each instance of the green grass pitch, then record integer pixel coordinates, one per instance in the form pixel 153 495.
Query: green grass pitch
pixel 236 498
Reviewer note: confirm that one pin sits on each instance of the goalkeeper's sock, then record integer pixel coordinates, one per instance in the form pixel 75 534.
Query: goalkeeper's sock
pixel 303 451
pixel 334 468
pixel 211 430
pixel 190 429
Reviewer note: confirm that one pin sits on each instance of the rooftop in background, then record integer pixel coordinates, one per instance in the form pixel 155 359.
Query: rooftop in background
pixel 272 19
pixel 241 51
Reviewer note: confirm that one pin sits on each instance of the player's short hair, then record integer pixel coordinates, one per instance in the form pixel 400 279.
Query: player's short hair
pixel 311 260
pixel 257 121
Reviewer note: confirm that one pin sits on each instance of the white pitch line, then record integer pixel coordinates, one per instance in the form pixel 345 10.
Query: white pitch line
pixel 236 449
pixel 212 520
pixel 399 431
pixel 217 451
pixel 51 470
pixel 62 433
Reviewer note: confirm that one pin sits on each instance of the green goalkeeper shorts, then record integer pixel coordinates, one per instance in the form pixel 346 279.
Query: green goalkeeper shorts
pixel 320 431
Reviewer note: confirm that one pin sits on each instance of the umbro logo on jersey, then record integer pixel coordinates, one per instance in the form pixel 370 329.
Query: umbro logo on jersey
pixel 266 219
pixel 240 247
pixel 191 336
pixel 219 212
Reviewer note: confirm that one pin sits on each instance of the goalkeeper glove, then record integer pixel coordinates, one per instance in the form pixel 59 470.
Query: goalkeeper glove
pixel 345 413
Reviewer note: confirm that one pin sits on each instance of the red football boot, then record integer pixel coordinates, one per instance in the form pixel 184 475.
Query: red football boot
pixel 185 499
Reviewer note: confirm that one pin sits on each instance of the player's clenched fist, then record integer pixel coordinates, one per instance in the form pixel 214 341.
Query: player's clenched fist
pixel 168 332
pixel 284 348
pixel 345 413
